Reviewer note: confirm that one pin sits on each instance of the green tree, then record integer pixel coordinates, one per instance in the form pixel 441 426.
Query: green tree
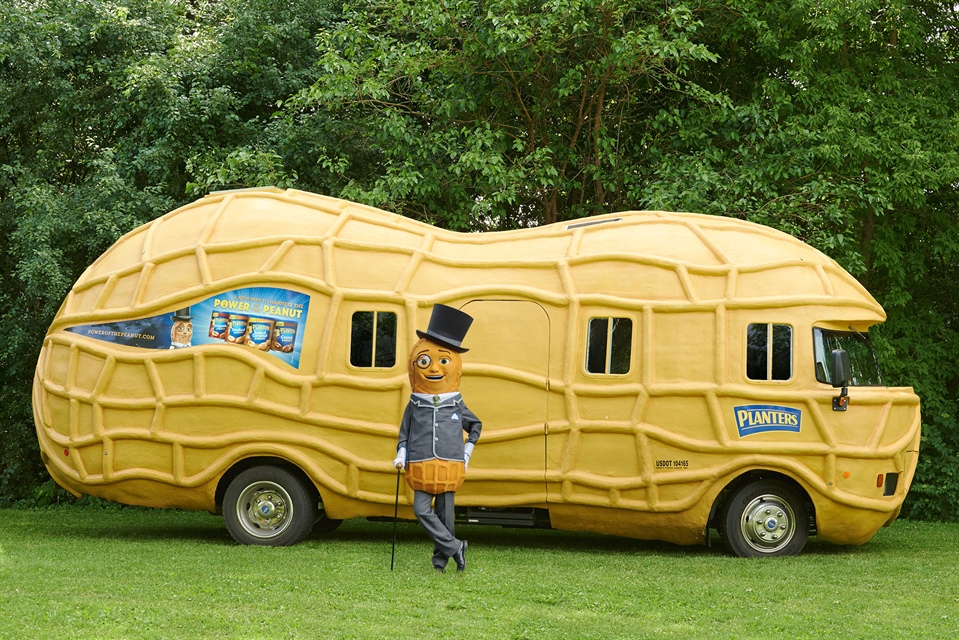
pixel 834 121
pixel 63 195
pixel 843 130
pixel 110 115
pixel 504 113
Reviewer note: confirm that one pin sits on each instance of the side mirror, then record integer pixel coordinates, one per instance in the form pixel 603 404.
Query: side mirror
pixel 840 369
pixel 841 375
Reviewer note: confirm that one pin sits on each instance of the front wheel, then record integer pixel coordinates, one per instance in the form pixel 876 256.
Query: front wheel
pixel 765 519
pixel 269 506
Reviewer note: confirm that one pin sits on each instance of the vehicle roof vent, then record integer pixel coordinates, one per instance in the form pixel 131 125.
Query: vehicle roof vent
pixel 591 223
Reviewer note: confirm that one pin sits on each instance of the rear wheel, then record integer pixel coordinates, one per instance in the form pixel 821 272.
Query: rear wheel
pixel 269 506
pixel 765 519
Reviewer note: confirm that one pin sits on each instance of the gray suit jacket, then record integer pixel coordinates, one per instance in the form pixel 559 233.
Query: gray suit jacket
pixel 436 431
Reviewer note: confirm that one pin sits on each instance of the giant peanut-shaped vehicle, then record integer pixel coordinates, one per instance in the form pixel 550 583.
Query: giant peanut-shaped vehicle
pixel 646 374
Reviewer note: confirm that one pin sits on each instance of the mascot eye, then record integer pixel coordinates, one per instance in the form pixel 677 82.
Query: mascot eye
pixel 423 361
pixel 445 361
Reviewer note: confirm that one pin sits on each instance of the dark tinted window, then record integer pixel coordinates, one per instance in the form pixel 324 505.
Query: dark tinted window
pixel 609 345
pixel 769 352
pixel 373 339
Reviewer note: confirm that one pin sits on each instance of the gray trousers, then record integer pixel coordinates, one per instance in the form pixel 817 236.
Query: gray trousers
pixel 438 523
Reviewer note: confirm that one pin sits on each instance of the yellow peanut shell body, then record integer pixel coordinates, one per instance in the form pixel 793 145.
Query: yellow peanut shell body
pixel 643 449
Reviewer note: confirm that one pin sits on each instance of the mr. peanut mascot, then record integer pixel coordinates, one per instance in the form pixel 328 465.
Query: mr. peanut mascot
pixel 430 443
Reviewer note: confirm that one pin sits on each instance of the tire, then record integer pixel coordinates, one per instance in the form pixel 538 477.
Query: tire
pixel 269 506
pixel 765 519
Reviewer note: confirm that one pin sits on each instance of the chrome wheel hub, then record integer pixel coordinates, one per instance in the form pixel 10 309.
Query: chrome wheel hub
pixel 264 509
pixel 768 523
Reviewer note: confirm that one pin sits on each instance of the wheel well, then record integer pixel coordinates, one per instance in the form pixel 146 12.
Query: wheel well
pixel 248 463
pixel 752 476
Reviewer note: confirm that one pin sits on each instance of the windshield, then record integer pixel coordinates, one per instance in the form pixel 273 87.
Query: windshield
pixel 862 357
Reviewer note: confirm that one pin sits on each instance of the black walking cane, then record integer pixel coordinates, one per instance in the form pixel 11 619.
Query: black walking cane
pixel 396 510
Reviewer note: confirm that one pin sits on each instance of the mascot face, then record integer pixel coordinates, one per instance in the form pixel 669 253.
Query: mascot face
pixel 434 369
pixel 182 332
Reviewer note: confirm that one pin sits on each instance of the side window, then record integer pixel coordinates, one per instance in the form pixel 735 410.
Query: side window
pixel 373 339
pixel 769 352
pixel 609 344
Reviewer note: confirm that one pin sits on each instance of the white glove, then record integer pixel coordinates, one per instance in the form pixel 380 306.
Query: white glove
pixel 467 453
pixel 400 461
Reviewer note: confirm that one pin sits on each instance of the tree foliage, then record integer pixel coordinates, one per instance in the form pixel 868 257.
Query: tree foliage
pixel 834 121
pixel 501 114
pixel 843 131
pixel 110 115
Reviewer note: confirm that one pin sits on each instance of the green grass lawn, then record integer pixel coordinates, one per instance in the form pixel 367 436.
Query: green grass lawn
pixel 132 573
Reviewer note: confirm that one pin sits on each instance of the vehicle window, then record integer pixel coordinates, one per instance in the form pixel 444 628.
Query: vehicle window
pixel 609 345
pixel 769 352
pixel 862 357
pixel 373 339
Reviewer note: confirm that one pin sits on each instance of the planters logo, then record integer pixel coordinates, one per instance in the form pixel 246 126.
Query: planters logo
pixel 759 418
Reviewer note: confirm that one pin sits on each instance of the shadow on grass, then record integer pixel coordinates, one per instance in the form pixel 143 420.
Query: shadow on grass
pixel 506 538
pixel 197 527
pixel 509 538
pixel 132 523
pixel 554 539
pixel 143 524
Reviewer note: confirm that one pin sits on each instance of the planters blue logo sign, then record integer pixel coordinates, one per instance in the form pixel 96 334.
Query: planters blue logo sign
pixel 759 418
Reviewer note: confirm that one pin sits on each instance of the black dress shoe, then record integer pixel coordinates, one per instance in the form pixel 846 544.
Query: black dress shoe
pixel 460 557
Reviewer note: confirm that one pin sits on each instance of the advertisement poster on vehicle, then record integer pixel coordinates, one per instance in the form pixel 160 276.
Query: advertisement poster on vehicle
pixel 268 319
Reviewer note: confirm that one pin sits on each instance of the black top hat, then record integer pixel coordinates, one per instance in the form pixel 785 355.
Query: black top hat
pixel 448 327
pixel 183 314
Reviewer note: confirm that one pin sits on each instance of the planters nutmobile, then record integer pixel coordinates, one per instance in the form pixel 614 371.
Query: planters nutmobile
pixel 644 374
